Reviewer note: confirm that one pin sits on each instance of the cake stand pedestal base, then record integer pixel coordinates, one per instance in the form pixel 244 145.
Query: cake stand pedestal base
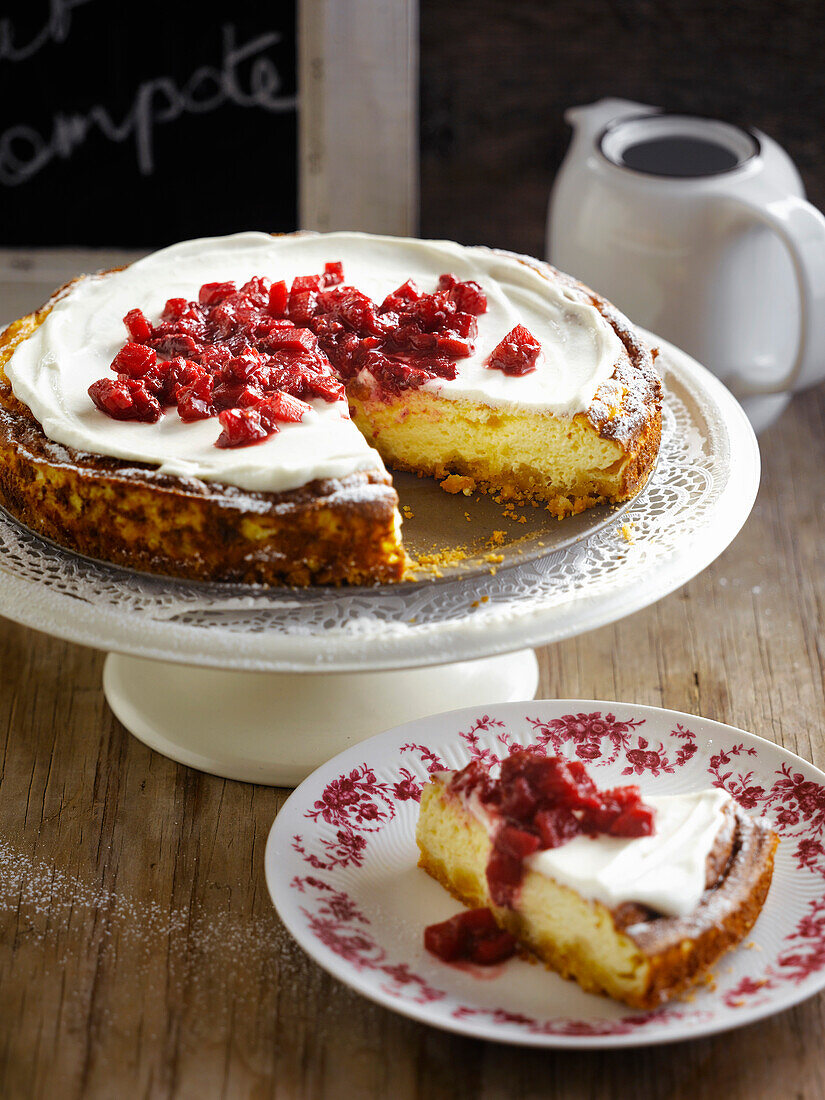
pixel 274 727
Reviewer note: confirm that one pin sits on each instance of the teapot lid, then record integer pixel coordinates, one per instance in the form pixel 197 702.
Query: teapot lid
pixel 677 146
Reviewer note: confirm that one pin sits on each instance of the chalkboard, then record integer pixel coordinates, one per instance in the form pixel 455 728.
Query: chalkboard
pixel 139 124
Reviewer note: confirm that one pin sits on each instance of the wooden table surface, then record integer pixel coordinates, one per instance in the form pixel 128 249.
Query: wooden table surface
pixel 140 954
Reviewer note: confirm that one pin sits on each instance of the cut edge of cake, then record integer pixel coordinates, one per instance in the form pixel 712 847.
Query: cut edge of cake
pixel 603 455
pixel 561 461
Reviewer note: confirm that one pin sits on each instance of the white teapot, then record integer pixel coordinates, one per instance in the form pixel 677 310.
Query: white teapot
pixel 699 231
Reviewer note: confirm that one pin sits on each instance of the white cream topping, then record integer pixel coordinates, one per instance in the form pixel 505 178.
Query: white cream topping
pixel 665 871
pixel 53 369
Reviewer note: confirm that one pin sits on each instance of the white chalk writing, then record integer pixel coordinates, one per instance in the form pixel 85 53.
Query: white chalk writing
pixel 56 29
pixel 24 151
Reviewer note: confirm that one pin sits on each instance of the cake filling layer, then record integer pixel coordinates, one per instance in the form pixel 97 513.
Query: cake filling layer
pixel 52 370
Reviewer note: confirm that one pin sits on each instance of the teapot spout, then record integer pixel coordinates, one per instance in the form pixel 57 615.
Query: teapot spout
pixel 591 118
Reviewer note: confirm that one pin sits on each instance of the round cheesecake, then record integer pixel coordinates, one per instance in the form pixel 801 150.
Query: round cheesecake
pixel 414 382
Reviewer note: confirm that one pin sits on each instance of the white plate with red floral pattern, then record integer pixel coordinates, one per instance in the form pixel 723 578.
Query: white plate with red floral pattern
pixel 341 866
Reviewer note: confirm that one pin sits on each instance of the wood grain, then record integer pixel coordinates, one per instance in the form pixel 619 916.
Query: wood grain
pixel 139 952
pixel 358 123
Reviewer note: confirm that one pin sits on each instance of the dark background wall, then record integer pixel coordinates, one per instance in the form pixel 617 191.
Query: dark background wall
pixel 109 135
pixel 497 75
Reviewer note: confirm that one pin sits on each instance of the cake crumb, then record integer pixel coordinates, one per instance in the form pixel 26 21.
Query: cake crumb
pixel 406 511
pixel 443 557
pixel 467 516
pixel 494 557
pixel 626 531
pixel 688 996
pixel 455 483
pixel 498 538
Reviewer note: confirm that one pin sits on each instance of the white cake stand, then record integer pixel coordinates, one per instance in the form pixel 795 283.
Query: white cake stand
pixel 263 685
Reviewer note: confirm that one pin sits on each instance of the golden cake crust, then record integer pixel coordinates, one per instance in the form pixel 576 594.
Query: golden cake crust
pixel 326 532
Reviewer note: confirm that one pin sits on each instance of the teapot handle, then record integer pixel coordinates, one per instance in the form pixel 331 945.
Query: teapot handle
pixel 801 227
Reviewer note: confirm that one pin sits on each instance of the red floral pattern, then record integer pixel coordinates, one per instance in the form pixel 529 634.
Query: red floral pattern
pixel 357 805
pixel 587 734
pixel 626 1025
pixel 407 787
pixel 804 956
pixel 431 760
pixel 345 849
pixel 484 754
pixel 796 806
pixel 646 759
pixel 340 925
pixel 736 787
pixel 354 799
pixel 687 748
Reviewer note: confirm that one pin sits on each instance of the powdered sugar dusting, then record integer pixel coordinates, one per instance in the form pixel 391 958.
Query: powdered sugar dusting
pixel 47 900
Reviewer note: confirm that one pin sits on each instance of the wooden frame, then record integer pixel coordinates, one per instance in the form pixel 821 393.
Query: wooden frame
pixel 358 115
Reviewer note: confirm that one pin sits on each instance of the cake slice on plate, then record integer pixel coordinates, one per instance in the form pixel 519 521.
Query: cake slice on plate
pixel 633 898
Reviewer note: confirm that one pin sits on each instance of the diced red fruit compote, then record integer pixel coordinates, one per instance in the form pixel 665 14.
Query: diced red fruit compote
pixel 471 936
pixel 137 326
pixel 134 360
pixel 517 353
pixel 262 350
pixel 543 802
pixel 281 406
pixel 125 399
pixel 241 426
